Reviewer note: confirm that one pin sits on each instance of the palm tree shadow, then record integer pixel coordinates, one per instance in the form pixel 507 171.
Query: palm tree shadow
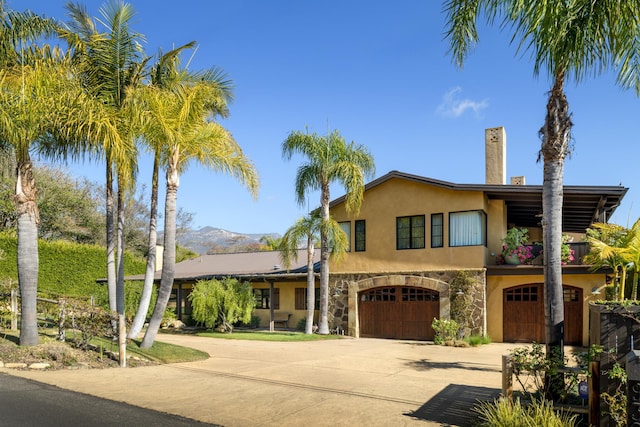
pixel 453 406
pixel 427 365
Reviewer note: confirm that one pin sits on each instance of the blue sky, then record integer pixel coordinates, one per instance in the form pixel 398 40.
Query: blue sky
pixel 379 72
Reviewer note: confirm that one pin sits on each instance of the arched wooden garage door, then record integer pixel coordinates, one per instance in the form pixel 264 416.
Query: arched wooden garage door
pixel 399 312
pixel 523 314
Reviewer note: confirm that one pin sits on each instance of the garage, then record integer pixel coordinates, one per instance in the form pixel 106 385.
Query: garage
pixel 523 314
pixel 399 312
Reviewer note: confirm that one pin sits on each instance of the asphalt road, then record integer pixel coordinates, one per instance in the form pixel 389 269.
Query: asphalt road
pixel 26 403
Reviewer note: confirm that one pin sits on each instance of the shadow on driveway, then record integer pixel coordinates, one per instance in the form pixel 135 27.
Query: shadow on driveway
pixel 453 405
pixel 426 365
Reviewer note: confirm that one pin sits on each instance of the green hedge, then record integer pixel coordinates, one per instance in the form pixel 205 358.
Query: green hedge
pixel 66 269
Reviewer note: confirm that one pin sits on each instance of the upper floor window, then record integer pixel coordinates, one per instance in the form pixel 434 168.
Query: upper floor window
pixel 437 230
pixel 361 236
pixel 346 227
pixel 467 228
pixel 410 232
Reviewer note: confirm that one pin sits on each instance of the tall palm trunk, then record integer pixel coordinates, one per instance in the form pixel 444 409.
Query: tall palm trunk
pixel 27 211
pixel 122 326
pixel 311 285
pixel 556 136
pixel 111 237
pixel 169 255
pixel 147 289
pixel 323 322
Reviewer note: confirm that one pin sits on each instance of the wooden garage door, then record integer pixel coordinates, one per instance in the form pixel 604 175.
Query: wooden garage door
pixel 523 314
pixel 398 312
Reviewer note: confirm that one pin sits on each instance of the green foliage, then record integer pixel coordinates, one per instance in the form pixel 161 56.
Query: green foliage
pixel 69 209
pixel 515 238
pixel 183 254
pixel 66 269
pixel 301 325
pixel 446 331
pixel 476 340
pixel 617 401
pixel 222 303
pixel 461 291
pixel 132 294
pixel 506 413
pixel 533 370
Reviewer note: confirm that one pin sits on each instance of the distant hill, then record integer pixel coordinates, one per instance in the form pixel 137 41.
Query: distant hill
pixel 216 240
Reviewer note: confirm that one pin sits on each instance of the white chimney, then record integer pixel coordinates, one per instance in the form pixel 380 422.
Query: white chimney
pixel 518 180
pixel 495 146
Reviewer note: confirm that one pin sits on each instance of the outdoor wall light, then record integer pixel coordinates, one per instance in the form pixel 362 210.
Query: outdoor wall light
pixel 460 292
pixel 595 291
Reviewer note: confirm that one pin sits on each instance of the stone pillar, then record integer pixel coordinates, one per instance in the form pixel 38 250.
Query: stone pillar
pixel 495 145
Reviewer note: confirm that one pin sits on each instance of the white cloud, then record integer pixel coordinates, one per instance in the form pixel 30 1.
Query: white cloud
pixel 453 106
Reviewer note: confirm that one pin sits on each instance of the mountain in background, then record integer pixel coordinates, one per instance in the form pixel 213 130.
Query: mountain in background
pixel 216 240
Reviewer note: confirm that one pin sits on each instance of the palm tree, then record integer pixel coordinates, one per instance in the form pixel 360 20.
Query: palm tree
pixel 163 75
pixel 180 119
pixel 112 64
pixel 329 159
pixel 25 121
pixel 609 246
pixel 308 228
pixel 43 109
pixel 574 38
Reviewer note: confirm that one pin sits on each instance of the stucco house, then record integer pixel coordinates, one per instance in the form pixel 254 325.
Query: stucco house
pixel 413 234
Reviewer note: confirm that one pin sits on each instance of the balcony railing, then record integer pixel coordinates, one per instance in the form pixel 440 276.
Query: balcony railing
pixel 580 250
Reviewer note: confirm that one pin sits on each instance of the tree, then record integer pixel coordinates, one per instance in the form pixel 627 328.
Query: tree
pixel 329 159
pixel 222 303
pixel 573 38
pixel 163 75
pixel 610 247
pixel 308 229
pixel 112 63
pixel 41 102
pixel 16 30
pixel 69 209
pixel 270 243
pixel 182 119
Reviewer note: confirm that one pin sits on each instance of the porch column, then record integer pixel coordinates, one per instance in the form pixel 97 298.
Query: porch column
pixel 271 324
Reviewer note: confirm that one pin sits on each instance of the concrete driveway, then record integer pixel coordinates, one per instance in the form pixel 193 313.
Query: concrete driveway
pixel 347 382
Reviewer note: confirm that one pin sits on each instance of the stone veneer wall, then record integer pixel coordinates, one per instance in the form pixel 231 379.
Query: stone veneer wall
pixel 344 288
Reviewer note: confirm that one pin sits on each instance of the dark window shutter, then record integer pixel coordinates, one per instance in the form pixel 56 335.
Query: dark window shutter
pixel 301 297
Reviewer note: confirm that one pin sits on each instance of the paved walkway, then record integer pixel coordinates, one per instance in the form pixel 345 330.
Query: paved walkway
pixel 348 382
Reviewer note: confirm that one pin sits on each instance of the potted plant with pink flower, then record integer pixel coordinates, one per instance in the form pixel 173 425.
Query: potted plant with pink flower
pixel 515 247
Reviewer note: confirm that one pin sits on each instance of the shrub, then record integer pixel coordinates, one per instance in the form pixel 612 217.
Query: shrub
pixel 476 340
pixel 446 331
pixel 531 367
pixel 506 413
pixel 90 321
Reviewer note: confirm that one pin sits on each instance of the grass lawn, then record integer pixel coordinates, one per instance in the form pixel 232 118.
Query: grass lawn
pixel 268 336
pixel 159 352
